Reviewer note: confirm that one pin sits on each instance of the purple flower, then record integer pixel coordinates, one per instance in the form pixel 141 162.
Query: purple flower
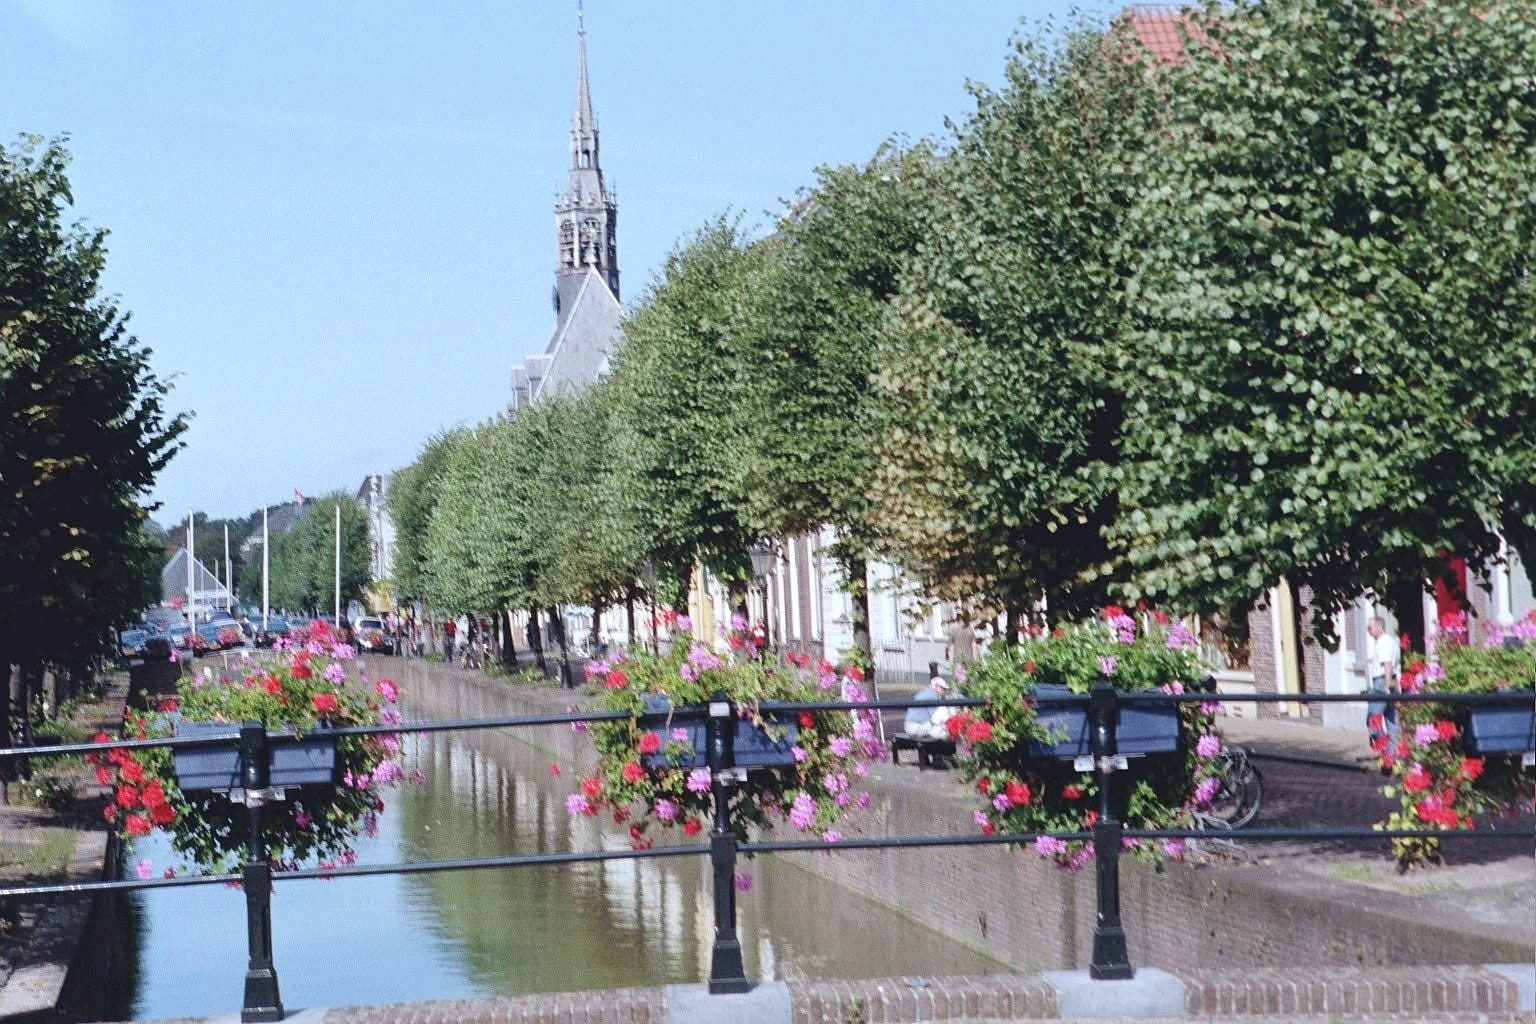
pixel 302 819
pixel 1049 846
pixel 343 651
pixel 862 803
pixel 743 882
pixel 1205 792
pixel 798 753
pixel 738 623
pixel 1180 637
pixel 680 735
pixel 1426 734
pixel 666 810
pixel 1107 664
pixel 684 624
pixel 831 836
pixel 698 780
pixel 575 804
pixel 334 673
pixel 979 817
pixel 841 746
pixel 1001 802
pixel 1174 848
pixel 579 728
pixel 143 869
pixel 802 814
pixel 1208 745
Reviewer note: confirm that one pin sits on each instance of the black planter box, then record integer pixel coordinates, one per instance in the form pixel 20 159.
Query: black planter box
pixel 754 748
pixel 1506 729
pixel 309 762
pixel 1139 728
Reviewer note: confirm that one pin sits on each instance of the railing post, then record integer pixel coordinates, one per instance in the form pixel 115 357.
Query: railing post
pixel 262 1001
pixel 1111 960
pixel 727 975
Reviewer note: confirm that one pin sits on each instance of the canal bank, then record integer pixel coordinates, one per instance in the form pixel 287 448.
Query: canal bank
pixel 1325 908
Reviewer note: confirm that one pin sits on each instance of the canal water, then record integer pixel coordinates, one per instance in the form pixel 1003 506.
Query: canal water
pixel 511 931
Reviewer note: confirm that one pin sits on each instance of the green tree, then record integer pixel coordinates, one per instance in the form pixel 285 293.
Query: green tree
pixel 83 430
pixel 677 380
pixel 1332 379
pixel 411 500
pixel 998 416
pixel 303 562
pixel 811 313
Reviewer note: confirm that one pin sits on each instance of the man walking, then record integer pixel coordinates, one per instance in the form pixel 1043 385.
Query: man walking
pixel 1382 663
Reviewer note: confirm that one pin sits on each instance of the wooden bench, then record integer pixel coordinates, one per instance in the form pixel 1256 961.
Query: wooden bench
pixel 930 752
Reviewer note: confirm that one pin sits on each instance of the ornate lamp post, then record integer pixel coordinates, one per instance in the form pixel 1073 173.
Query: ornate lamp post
pixel 764 554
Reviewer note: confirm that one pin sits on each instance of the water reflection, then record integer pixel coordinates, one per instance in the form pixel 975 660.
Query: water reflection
pixel 509 931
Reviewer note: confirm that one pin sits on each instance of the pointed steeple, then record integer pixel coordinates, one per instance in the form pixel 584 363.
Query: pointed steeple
pixel 583 124
pixel 586 217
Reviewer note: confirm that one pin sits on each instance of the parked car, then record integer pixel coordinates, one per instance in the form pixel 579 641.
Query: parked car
pixel 276 628
pixel 372 636
pixel 229 634
pixel 185 639
pixel 157 647
pixel 130 645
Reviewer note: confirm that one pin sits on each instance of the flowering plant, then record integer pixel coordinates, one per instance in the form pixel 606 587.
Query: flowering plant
pixel 831 749
pixel 1437 781
pixel 230 637
pixel 303 689
pixel 1029 794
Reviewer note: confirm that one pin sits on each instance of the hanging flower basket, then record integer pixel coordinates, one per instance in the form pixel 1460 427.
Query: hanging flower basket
pixel 334 784
pixel 766 740
pixel 306 762
pixel 1139 729
pixel 652 767
pixel 1018 754
pixel 1451 763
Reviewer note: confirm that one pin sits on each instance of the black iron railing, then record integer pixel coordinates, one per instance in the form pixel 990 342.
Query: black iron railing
pixel 1110 957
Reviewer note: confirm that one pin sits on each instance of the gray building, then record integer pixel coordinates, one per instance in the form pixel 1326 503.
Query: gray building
pixel 586 293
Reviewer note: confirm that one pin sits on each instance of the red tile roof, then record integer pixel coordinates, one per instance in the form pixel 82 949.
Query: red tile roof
pixel 1162 29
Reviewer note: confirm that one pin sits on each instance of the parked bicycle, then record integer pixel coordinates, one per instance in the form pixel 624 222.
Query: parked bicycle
pixel 1242 789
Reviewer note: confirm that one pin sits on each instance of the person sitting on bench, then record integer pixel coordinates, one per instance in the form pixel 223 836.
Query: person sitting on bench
pixel 924 722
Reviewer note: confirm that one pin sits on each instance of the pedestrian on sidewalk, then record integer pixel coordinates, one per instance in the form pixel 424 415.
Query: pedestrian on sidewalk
pixel 960 641
pixel 450 630
pixel 1383 669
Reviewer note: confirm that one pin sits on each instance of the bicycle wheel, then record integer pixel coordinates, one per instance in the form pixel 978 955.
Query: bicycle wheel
pixel 1241 793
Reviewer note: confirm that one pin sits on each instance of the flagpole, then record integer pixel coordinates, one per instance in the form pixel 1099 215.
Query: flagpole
pixel 266 566
pixel 191 557
pixel 229 575
pixel 338 564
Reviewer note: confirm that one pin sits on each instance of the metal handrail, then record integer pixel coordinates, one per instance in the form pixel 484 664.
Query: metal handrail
pixel 1109 959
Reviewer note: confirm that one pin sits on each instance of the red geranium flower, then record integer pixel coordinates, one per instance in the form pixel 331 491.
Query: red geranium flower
pixel 807 720
pixel 162 814
pixel 1446 730
pixel 1071 793
pixel 650 743
pixel 978 731
pixel 1018 793
pixel 1471 767
pixel 133 772
pixel 1417 780
pixel 127 796
pixel 984 785
pixel 137 825
pixel 591 786
pixel 691 827
pixel 554 770
pixel 615 679
pixel 633 772
pixel 169 705
pixel 324 703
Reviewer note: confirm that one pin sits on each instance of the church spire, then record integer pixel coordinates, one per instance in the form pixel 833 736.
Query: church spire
pixel 586 215
pixel 583 124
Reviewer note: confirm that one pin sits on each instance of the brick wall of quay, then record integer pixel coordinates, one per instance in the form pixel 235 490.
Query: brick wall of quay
pixel 1021 910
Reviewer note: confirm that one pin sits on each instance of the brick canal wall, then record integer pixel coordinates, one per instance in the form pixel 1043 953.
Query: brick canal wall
pixel 1022 911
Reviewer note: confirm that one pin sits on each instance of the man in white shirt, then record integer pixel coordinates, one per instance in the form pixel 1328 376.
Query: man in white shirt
pixel 1382 660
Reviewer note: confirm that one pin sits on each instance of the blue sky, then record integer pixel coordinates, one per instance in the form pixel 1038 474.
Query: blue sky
pixel 332 222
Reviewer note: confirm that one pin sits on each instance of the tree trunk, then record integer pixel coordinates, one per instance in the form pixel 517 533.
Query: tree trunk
pixel 597 627
pixel 509 640
pixel 629 614
pixel 857 571
pixel 6 769
pixel 1015 621
pixel 536 640
pixel 684 590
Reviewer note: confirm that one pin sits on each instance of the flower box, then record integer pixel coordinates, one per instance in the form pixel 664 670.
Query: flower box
pixel 1503 729
pixel 753 746
pixel 309 762
pixel 1139 728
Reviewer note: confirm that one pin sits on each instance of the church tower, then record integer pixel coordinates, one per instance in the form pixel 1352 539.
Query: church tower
pixel 586 217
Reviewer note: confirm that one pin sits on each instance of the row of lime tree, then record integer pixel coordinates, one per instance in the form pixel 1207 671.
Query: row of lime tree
pixel 1162 329
pixel 83 431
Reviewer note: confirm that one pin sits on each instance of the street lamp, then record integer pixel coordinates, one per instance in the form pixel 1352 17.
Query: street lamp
pixel 648 577
pixel 764 554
